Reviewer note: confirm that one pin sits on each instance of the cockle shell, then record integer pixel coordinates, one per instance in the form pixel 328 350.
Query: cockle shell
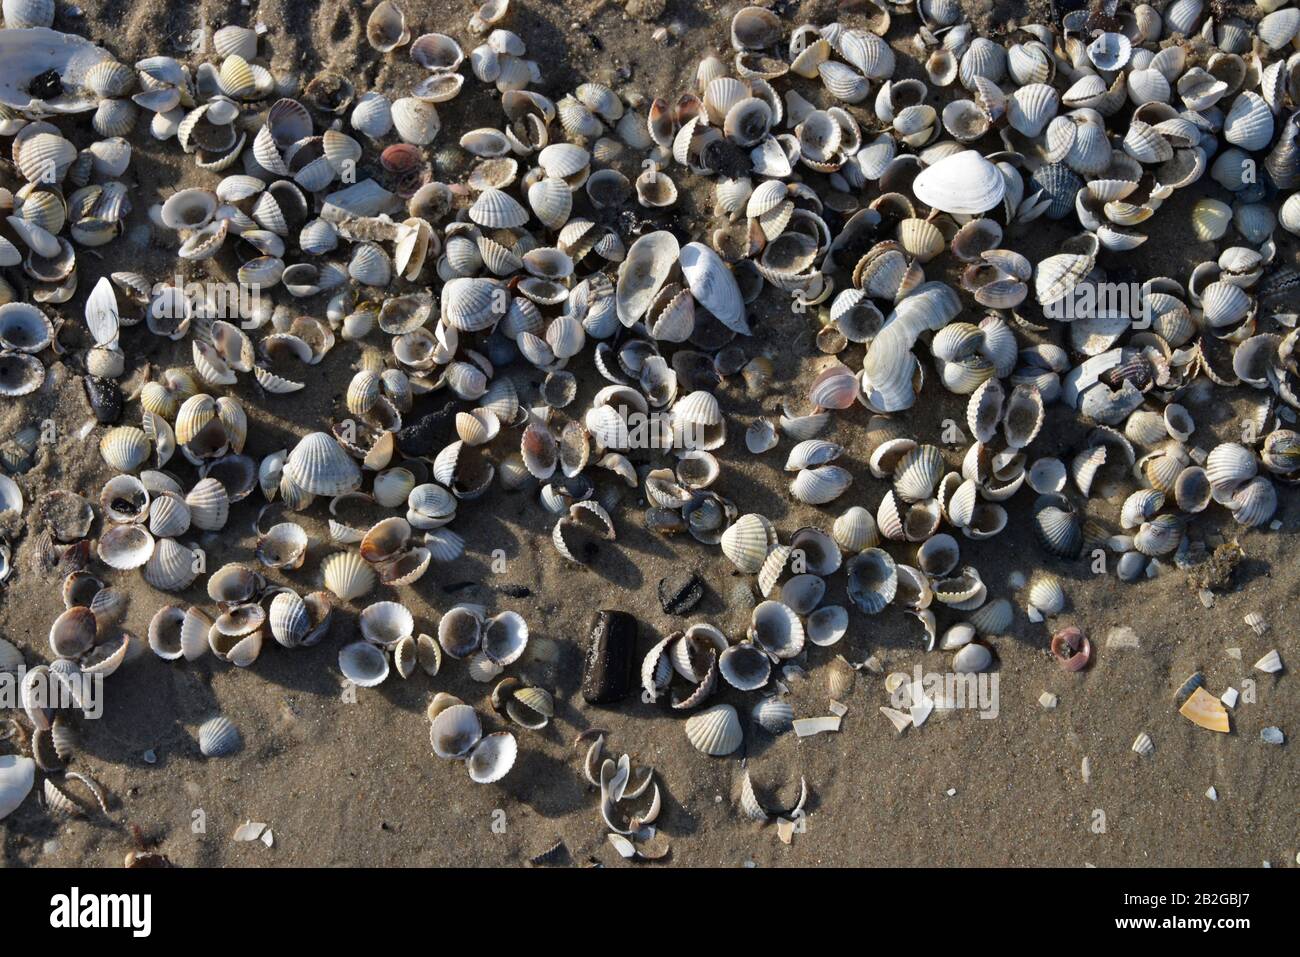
pixel 219 738
pixel 715 731
pixel 364 664
pixel 320 466
pixel 347 575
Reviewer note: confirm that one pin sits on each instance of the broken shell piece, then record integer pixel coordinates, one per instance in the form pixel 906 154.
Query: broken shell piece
pixel 1270 664
pixel 1207 711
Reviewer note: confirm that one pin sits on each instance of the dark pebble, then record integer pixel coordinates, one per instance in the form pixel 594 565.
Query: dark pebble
pixel 105 398
pixel 610 666
pixel 680 592
pixel 430 434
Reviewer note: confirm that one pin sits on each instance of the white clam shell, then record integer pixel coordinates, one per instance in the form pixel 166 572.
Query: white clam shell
pixel 714 286
pixel 964 182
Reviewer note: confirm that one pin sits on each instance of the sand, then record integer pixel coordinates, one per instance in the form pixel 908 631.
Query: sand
pixel 354 783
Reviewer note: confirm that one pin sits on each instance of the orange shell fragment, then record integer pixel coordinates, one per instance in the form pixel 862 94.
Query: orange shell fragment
pixel 1204 709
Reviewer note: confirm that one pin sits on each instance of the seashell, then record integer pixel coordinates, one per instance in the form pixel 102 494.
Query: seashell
pixel 372 115
pixel 855 530
pixel 1058 529
pixel 942 67
pixel 655 189
pixel 774 715
pixel 21 374
pixel 497 210
pixel 1046 595
pixel 505 636
pixel 551 201
pixel 471 305
pixel 843 82
pixel 872 580
pixel 1159 536
pixel 1145 144
pixel 362 663
pixel 963 182
pixel 28 14
pixel 124 448
pixel 208 504
pixel 1249 122
pixel 165 632
pixel 818 486
pixel 971 659
pixel 386 28
pixel 1228 467
pixel 715 731
pixel 73 633
pixel 415 121
pixel 643 272
pixel 776 629
pixel 236 78
pixel 745 666
pixel 492 758
pixel 455 731
pixel 320 466
pixel 1030 108
pixel 283 546
pixel 347 575
pixel 1060 185
pixel 1057 275
pixel 1023 417
pixel 219 738
pixel 917 473
pixel 124 498
pixel 233 40
pixel 1071 649
pixel 24 328
pixel 1254 503
pixel 1148 86
pixel 983 58
pixel 746 543
pixel 289 619
pixel 1192 490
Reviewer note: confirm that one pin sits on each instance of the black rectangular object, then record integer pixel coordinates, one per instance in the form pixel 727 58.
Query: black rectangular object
pixel 609 671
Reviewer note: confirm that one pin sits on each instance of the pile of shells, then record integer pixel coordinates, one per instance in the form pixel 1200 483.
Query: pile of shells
pixel 854 194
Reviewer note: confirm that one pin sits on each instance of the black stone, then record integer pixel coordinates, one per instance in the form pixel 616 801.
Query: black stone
pixel 609 670
pixel 680 592
pixel 430 433
pixel 105 398
pixel 46 86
